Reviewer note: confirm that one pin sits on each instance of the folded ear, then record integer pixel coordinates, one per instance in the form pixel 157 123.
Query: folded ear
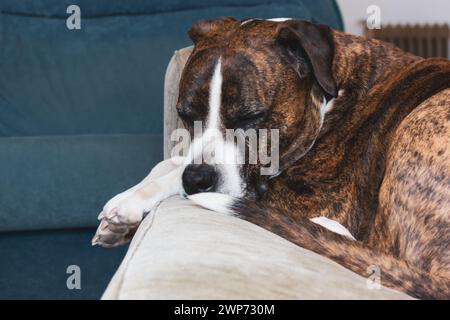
pixel 205 29
pixel 300 37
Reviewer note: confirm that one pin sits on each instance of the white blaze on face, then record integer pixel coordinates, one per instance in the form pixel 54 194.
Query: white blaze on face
pixel 215 96
pixel 213 148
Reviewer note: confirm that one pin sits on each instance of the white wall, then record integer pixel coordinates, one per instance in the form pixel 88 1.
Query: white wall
pixel 395 11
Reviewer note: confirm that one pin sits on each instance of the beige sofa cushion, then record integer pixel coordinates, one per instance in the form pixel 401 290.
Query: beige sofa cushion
pixel 182 251
pixel 171 87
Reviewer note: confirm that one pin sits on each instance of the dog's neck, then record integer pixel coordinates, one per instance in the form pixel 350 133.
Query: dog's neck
pixel 346 141
pixel 360 63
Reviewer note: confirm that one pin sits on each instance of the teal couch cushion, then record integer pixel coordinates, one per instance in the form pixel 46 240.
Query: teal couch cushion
pixel 106 78
pixel 63 181
pixel 33 265
pixel 325 10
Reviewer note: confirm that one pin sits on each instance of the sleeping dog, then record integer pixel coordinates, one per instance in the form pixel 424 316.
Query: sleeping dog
pixel 364 137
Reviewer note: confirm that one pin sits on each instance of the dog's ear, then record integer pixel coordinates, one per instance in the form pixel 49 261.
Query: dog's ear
pixel 299 38
pixel 206 29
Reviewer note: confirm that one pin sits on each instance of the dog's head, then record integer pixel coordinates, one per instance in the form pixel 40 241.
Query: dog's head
pixel 253 74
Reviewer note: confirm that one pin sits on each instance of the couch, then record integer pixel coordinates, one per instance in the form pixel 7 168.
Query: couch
pixel 81 119
pixel 182 251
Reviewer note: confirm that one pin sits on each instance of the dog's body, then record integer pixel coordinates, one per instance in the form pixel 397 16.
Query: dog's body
pixel 364 137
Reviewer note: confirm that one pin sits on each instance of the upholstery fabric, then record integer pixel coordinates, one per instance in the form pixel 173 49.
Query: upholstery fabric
pixel 182 251
pixel 33 265
pixel 323 10
pixel 63 181
pixel 106 77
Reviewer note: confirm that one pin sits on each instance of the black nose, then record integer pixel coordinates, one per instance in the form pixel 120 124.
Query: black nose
pixel 199 178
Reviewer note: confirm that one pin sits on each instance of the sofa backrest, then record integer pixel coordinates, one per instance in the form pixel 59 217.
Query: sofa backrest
pixel 107 77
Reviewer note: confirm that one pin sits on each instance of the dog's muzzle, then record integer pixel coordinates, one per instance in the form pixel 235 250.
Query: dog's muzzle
pixel 199 178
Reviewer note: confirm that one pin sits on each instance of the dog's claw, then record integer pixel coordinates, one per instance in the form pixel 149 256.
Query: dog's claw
pixel 111 235
pixel 100 216
pixel 95 240
pixel 103 226
pixel 114 219
pixel 111 213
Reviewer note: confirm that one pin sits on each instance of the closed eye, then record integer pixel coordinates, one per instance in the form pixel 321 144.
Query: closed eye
pixel 248 120
pixel 187 114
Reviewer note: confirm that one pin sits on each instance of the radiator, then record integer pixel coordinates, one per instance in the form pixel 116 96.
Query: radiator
pixel 423 40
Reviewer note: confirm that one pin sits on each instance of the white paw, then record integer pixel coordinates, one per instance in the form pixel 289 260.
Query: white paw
pixel 129 210
pixel 122 214
pixel 113 203
pixel 120 219
pixel 112 235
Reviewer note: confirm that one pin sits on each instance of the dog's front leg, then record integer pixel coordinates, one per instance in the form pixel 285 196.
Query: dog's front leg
pixel 122 214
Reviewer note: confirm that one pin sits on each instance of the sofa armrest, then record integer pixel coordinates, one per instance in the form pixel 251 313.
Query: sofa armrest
pixel 171 84
pixel 182 251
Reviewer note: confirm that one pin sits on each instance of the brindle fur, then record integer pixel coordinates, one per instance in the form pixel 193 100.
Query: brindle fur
pixel 380 164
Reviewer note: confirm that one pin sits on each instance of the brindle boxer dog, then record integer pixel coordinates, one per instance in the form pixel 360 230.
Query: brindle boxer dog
pixel 364 140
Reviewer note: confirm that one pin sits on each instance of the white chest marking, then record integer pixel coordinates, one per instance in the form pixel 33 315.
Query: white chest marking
pixel 272 19
pixel 326 107
pixel 279 19
pixel 333 226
